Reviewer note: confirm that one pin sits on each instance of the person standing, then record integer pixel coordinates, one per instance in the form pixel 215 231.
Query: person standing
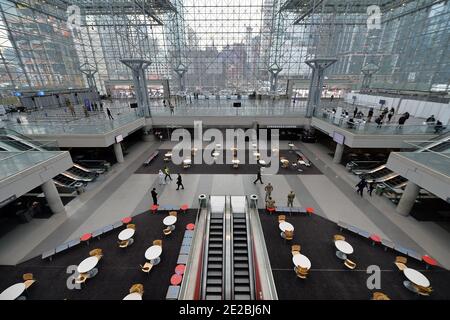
pixel 332 97
pixel 179 182
pixel 109 114
pixel 355 112
pixel 360 186
pixel 370 115
pixel 167 174
pixel 371 187
pixel 172 108
pixel 268 189
pixel 154 196
pixel 401 121
pixel 161 177
pixel 258 177
pixel 290 201
pixel 270 203
pixel 390 115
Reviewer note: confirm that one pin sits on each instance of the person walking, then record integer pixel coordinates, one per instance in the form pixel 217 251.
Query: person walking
pixel 290 201
pixel 332 97
pixel 371 187
pixel 360 186
pixel 390 115
pixel 172 109
pixel 355 112
pixel 379 121
pixel 167 174
pixel 258 177
pixel 154 196
pixel 161 177
pixel 370 115
pixel 109 114
pixel 401 121
pixel 268 189
pixel 179 182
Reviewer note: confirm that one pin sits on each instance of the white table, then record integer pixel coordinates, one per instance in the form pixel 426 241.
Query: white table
pixel 262 162
pixel 344 248
pixel 286 226
pixel 301 260
pixel 256 154
pixel 153 252
pixel 87 265
pixel 133 296
pixel 187 161
pixel 416 277
pixel 216 154
pixel 235 161
pixel 126 234
pixel 13 292
pixel 169 220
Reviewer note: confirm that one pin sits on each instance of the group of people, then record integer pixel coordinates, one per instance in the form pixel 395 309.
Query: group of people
pixel 163 176
pixel 438 127
pixel 363 184
pixel 270 203
pixel 171 106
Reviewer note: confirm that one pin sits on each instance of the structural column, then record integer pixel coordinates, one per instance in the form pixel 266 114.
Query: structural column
pixel 408 199
pixel 118 152
pixel 338 153
pixel 52 197
pixel 318 67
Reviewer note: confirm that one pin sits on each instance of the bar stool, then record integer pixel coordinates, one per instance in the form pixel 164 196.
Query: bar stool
pixel 86 237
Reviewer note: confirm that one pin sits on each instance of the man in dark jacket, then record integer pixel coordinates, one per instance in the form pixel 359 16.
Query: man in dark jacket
pixel 361 185
pixel 154 195
pixel 179 182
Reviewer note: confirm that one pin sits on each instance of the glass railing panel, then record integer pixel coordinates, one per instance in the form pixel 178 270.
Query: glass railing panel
pixel 438 162
pixel 14 162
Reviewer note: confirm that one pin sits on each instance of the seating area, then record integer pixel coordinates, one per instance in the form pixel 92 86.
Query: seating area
pixel 102 269
pixel 307 267
pixel 151 157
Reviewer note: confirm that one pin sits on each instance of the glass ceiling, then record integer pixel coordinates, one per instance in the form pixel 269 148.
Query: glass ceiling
pixel 224 45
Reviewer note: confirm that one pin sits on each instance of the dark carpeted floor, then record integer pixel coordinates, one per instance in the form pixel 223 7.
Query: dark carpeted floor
pixel 158 163
pixel 118 269
pixel 328 277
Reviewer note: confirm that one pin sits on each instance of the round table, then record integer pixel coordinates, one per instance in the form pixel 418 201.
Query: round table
pixel 235 161
pixel 153 253
pixel 87 265
pixel 301 260
pixel 13 292
pixel 286 226
pixel 262 162
pixel 344 248
pixel 179 269
pixel 133 296
pixel 416 277
pixel 216 154
pixel 169 220
pixel 126 234
pixel 187 161
pixel 168 155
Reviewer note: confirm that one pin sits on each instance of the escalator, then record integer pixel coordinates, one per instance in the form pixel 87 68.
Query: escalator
pixel 67 181
pixel 442 147
pixel 228 271
pixel 242 270
pixel 89 176
pixel 97 170
pixel 213 287
pixel 16 144
pixel 396 182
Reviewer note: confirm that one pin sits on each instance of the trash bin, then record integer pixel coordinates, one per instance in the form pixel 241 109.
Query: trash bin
pixel 202 200
pixel 253 201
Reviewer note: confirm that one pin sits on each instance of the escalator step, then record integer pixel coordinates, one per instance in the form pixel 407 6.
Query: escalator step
pixel 242 280
pixel 220 227
pixel 241 273
pixel 240 245
pixel 241 265
pixel 240 251
pixel 216 245
pixel 215 266
pixel 213 281
pixel 214 273
pixel 242 297
pixel 242 289
pixel 213 297
pixel 239 232
pixel 216 252
pixel 214 289
pixel 240 258
pixel 216 239
pixel 240 238
pixel 215 259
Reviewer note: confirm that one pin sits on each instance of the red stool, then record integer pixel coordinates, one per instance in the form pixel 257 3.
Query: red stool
pixel 190 226
pixel 310 211
pixel 375 239
pixel 179 269
pixel 126 220
pixel 184 207
pixel 154 208
pixel 429 261
pixel 271 210
pixel 175 280
pixel 86 237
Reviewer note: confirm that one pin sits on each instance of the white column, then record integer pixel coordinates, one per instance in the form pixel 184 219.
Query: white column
pixel 338 153
pixel 52 196
pixel 118 152
pixel 408 198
